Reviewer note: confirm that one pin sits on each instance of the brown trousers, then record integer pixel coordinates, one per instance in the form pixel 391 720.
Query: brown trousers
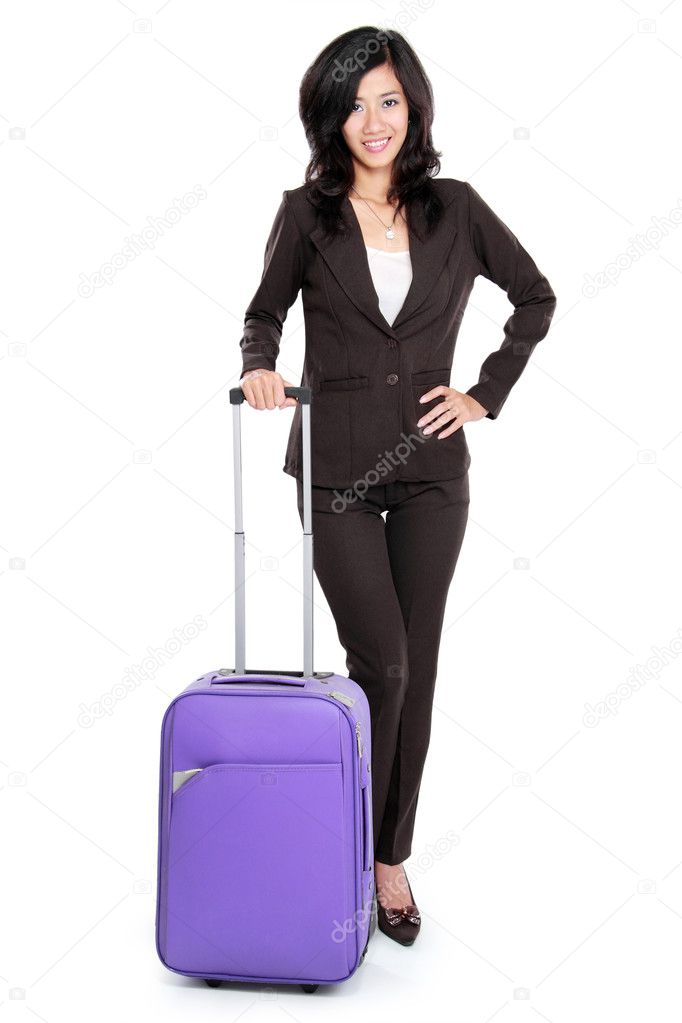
pixel 386 584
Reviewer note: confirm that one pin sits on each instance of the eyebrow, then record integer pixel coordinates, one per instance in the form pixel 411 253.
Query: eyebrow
pixel 394 92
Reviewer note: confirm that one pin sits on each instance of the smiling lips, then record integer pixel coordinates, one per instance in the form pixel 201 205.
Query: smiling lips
pixel 378 145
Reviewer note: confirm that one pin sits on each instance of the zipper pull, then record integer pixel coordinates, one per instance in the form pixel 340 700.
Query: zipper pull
pixel 359 738
pixel 341 697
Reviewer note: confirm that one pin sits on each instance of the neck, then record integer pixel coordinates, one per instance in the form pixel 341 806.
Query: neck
pixel 372 184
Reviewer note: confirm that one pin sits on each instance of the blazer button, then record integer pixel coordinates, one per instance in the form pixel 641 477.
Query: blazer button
pixel 392 378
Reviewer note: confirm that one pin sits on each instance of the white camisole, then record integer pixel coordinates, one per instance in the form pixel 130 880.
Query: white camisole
pixel 391 276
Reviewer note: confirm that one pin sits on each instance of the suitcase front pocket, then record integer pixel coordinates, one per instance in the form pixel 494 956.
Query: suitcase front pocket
pixel 258 872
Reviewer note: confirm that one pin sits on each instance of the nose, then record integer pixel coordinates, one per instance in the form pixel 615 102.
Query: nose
pixel 374 123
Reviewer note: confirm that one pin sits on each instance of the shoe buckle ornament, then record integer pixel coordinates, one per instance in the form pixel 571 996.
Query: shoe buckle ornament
pixel 394 916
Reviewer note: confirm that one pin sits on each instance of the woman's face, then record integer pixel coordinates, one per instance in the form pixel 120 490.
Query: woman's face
pixel 379 113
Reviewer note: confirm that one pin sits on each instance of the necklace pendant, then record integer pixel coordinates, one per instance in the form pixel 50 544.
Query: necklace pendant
pixel 390 233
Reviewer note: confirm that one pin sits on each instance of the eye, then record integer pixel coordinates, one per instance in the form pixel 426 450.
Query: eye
pixel 390 100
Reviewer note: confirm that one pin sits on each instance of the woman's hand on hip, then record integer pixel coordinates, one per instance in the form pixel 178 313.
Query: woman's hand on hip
pixel 455 409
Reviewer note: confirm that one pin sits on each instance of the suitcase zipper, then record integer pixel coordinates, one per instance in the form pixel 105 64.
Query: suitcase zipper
pixel 336 694
pixel 341 697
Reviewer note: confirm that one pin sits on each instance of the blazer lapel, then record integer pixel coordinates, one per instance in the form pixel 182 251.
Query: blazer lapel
pixel 346 257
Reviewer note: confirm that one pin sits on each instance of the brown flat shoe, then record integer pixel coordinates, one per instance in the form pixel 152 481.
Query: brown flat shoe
pixel 400 924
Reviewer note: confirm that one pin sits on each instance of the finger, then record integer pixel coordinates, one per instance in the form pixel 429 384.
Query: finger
pixel 261 390
pixel 249 392
pixel 252 392
pixel 442 420
pixel 433 393
pixel 267 392
pixel 281 400
pixel 431 414
pixel 457 423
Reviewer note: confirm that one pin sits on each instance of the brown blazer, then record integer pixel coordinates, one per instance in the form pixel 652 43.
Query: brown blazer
pixel 367 375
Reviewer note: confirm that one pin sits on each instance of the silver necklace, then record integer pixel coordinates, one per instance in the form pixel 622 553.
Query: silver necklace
pixel 390 233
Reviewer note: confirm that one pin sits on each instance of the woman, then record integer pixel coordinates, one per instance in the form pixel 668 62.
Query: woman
pixel 386 256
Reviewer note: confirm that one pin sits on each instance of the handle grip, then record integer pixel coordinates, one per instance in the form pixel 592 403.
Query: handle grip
pixel 301 393
pixel 262 677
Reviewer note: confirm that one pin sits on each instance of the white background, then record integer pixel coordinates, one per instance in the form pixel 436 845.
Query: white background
pixel 558 893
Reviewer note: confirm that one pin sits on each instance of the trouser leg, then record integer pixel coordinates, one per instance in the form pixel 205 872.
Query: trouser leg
pixel 425 527
pixel 350 559
pixel 387 586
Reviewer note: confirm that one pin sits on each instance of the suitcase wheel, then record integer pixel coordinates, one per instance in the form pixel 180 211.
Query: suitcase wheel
pixel 309 988
pixel 212 982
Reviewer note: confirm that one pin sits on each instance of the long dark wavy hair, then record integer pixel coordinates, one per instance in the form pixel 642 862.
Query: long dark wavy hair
pixel 326 98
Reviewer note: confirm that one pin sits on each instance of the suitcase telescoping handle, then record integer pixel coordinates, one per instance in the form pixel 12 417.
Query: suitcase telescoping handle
pixel 303 394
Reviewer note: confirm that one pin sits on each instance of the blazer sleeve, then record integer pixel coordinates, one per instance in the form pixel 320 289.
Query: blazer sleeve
pixel 503 260
pixel 279 285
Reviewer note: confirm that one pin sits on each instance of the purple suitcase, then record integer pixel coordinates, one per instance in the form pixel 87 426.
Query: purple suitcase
pixel 265 844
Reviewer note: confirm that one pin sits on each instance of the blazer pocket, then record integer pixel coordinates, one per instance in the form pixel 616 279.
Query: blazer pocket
pixel 431 376
pixel 344 384
pixel 423 382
